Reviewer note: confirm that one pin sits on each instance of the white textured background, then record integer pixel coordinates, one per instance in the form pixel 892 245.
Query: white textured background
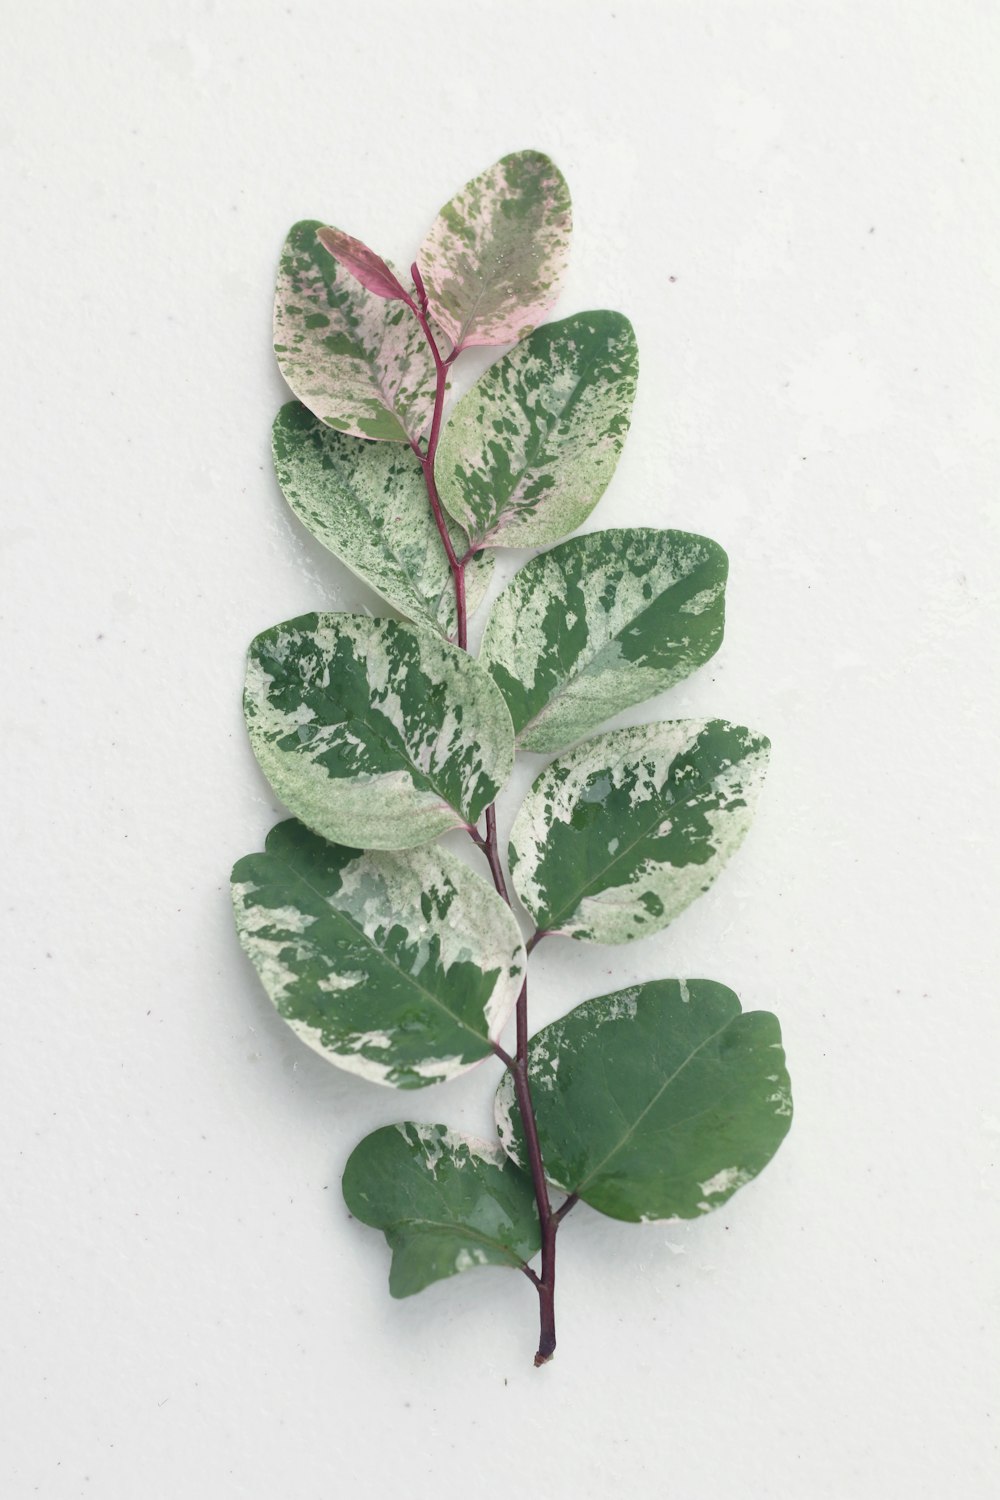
pixel 798 206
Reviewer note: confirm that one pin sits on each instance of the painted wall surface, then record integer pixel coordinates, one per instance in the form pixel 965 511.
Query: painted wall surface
pixel 798 207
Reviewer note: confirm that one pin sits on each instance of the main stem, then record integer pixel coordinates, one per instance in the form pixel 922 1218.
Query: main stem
pixel 549 1219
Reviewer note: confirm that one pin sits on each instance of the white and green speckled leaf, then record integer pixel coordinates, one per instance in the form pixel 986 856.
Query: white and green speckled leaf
pixel 399 966
pixel 656 1102
pixel 359 362
pixel 367 502
pixel 445 1202
pixel 530 449
pixel 495 257
pixel 373 732
pixel 619 836
pixel 599 623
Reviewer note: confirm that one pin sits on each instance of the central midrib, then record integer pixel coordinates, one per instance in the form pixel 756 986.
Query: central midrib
pixel 573 905
pixel 481 1037
pixel 630 1132
pixel 580 672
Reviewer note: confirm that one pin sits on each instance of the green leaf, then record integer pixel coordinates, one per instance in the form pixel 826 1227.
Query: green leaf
pixel 360 363
pixel 617 837
pixel 367 502
pixel 446 1203
pixel 656 1102
pixel 400 967
pixel 599 623
pixel 376 734
pixel 495 257
pixel 530 449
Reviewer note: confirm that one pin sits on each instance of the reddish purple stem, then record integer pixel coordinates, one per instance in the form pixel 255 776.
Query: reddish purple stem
pixel 517 1065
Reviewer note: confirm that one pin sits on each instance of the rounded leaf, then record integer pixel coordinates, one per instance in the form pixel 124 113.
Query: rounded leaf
pixel 655 1102
pixel 446 1203
pixel 367 503
pixel 360 363
pixel 494 259
pixel 619 836
pixel 599 623
pixel 374 733
pixel 531 448
pixel 402 967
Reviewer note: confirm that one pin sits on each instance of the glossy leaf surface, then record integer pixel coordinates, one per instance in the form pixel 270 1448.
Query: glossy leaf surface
pixel 617 837
pixel 656 1102
pixel 530 449
pixel 375 733
pixel 494 259
pixel 599 623
pixel 361 364
pixel 445 1202
pixel 367 503
pixel 401 967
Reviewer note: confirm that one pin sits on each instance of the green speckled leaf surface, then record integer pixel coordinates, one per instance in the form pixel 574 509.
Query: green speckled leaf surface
pixel 373 732
pixel 494 259
pixel 655 1102
pixel 619 836
pixel 530 449
pixel 446 1203
pixel 401 967
pixel 367 503
pixel 361 364
pixel 599 623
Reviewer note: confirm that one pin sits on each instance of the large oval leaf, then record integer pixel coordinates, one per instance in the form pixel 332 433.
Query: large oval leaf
pixel 495 257
pixel 446 1203
pixel 530 449
pixel 376 734
pixel 360 363
pixel 401 967
pixel 656 1102
pixel 616 838
pixel 368 503
pixel 599 623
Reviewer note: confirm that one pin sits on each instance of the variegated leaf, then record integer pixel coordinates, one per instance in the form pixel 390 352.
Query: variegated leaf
pixel 360 363
pixel 375 733
pixel 530 449
pixel 367 502
pixel 401 967
pixel 619 836
pixel 445 1202
pixel 599 623
pixel 494 260
pixel 656 1102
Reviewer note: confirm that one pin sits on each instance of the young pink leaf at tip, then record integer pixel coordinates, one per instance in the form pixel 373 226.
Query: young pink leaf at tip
pixel 367 267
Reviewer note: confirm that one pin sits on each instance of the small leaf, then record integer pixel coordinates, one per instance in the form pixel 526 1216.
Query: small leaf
pixel 531 448
pixel 494 260
pixel 367 502
pixel 374 733
pixel 656 1102
pixel 401 967
pixel 599 623
pixel 446 1203
pixel 367 267
pixel 619 836
pixel 360 363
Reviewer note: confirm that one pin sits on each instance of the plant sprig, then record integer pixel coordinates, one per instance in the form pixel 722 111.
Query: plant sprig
pixel 383 951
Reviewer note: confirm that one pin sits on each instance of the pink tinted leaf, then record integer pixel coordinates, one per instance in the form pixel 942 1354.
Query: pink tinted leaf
pixel 495 257
pixel 370 269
